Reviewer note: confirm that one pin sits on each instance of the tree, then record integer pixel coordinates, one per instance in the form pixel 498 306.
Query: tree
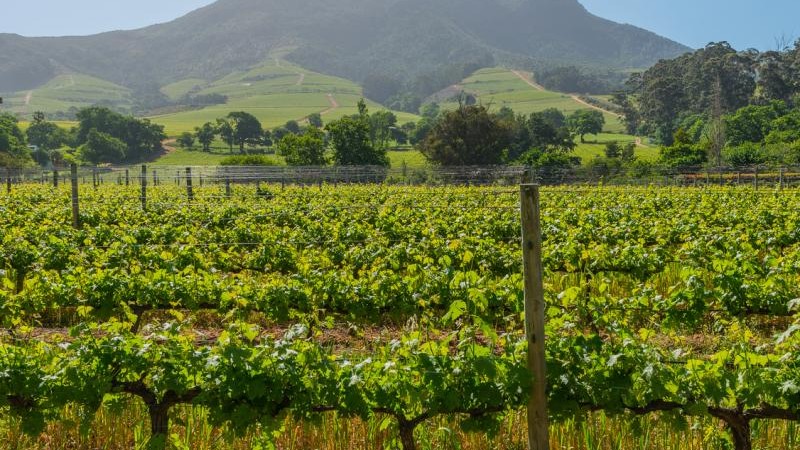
pixel 612 150
pixel 315 120
pixel 586 121
pixel 293 126
pixel 141 137
pixel 13 151
pixel 381 124
pixel 307 149
pixel 350 139
pixel 630 115
pixel 246 129
pixel 226 132
pixel 753 123
pixel 683 153
pixel 45 135
pixel 186 140
pixel 205 135
pixel 102 148
pixel 468 135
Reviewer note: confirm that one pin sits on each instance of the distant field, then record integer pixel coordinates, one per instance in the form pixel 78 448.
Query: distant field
pixel 499 87
pixel 595 146
pixel 68 91
pixel 275 93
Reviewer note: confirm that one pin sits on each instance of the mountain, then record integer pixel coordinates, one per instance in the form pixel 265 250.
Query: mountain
pixel 421 45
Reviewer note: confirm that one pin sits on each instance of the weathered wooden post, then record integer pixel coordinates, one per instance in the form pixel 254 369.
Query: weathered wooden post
pixel 538 436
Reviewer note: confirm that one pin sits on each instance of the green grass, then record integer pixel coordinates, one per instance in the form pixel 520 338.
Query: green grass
pixel 69 91
pixel 412 158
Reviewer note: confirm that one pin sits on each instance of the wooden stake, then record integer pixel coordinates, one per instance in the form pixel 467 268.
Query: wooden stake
pixel 538 437
pixel 55 178
pixel 76 218
pixel 189 191
pixel 144 187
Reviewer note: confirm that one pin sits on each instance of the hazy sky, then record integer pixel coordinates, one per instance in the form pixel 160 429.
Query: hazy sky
pixel 744 23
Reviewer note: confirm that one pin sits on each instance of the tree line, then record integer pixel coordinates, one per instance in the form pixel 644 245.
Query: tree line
pixel 710 82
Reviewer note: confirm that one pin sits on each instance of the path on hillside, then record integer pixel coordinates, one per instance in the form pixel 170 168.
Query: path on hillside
pixel 301 78
pixel 527 79
pixel 28 98
pixel 168 145
pixel 334 105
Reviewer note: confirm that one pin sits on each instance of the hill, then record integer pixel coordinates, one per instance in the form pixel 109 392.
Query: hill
pixel 275 92
pixel 415 45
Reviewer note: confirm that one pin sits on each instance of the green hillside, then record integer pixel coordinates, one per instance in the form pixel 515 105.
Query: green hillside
pixel 274 92
pixel 498 87
pixel 69 91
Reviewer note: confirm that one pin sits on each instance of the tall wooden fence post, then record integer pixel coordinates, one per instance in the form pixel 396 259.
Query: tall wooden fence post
pixel 227 187
pixel 73 175
pixel 781 179
pixel 55 177
pixel 8 181
pixel 127 178
pixel 189 191
pixel 538 437
pixel 144 187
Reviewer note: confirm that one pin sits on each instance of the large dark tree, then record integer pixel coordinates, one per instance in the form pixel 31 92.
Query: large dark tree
pixel 469 135
pixel 246 129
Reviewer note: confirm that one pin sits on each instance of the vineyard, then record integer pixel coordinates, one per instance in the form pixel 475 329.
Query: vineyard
pixel 272 309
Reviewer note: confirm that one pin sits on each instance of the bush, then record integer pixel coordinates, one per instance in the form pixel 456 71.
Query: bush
pixel 747 154
pixel 248 160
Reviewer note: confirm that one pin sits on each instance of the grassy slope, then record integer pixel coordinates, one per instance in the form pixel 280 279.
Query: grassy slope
pixel 275 92
pixel 177 90
pixel 66 91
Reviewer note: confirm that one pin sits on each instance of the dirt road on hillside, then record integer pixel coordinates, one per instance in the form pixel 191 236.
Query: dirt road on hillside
pixel 527 79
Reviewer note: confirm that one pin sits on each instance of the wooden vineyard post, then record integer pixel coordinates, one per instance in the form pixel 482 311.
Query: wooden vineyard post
pixel 127 178
pixel 144 187
pixel 55 177
pixel 780 181
pixel 538 437
pixel 8 181
pixel 755 180
pixel 76 218
pixel 189 191
pixel 155 177
pixel 227 187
